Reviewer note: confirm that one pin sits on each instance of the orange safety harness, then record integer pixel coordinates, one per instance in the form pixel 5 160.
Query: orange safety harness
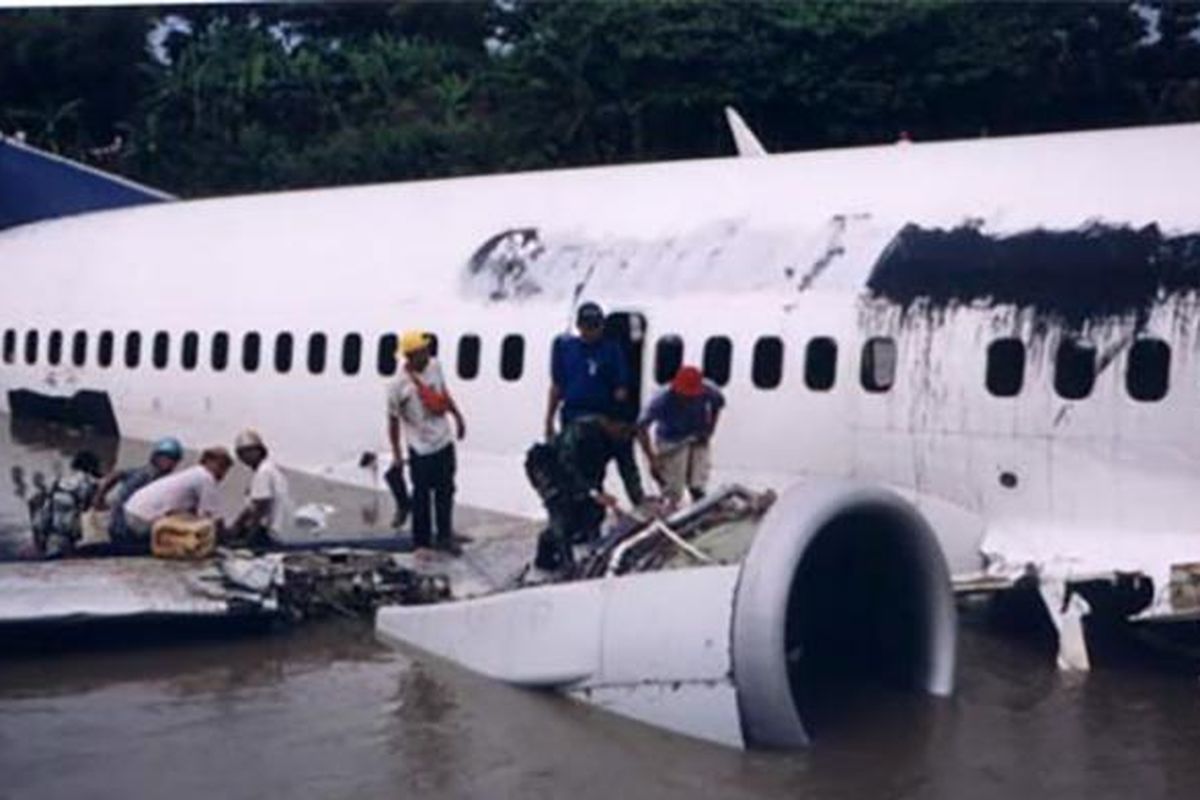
pixel 435 402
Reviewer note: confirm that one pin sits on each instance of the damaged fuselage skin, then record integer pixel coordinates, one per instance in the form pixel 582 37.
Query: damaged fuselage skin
pixel 992 342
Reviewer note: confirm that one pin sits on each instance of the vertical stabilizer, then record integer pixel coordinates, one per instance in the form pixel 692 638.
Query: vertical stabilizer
pixel 743 138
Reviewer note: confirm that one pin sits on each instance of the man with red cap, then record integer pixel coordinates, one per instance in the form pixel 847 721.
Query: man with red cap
pixel 684 416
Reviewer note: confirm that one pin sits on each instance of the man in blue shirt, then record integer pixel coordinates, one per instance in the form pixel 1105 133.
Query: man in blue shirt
pixel 589 382
pixel 164 457
pixel 684 417
pixel 588 374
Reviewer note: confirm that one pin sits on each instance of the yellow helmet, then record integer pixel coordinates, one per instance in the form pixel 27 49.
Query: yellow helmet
pixel 412 341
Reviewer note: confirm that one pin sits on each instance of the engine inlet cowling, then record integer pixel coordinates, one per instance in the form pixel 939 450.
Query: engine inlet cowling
pixel 844 585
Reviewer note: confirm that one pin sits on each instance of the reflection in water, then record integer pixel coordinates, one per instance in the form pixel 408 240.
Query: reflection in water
pixel 427 731
pixel 326 711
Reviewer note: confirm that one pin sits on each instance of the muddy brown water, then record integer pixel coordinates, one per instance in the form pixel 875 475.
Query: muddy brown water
pixel 325 711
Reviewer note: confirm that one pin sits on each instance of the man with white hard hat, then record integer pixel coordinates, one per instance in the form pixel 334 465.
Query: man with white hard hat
pixel 265 514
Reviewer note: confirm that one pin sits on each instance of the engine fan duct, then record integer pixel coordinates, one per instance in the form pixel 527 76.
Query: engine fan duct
pixel 844 585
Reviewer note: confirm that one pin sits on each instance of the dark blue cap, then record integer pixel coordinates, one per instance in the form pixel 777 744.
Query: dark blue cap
pixel 589 315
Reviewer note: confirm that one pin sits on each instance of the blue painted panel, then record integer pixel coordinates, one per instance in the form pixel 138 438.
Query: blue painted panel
pixel 35 185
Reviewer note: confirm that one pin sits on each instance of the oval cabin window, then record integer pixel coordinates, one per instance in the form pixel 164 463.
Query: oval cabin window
pixel 385 361
pixel 767 368
pixel 220 351
pixel 468 356
pixel 79 342
pixel 668 358
pixel 1074 370
pixel 190 350
pixel 820 364
pixel 512 357
pixel 317 346
pixel 1005 367
pixel 718 359
pixel 352 354
pixel 1147 374
pixel 878 369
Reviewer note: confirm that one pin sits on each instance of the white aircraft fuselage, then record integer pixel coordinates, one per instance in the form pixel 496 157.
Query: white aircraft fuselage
pixel 911 260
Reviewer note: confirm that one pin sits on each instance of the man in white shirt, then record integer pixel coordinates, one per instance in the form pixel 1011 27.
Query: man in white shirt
pixel 190 491
pixel 265 514
pixel 419 399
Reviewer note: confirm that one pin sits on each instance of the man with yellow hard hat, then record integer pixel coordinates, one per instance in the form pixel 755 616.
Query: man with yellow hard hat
pixel 420 403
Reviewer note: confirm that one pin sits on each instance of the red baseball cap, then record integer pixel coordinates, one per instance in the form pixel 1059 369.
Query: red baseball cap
pixel 688 381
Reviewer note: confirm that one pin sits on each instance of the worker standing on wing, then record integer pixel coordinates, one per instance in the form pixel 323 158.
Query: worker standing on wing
pixel 589 385
pixel 684 417
pixel 420 400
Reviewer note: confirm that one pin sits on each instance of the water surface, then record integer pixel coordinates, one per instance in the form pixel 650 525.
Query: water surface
pixel 327 712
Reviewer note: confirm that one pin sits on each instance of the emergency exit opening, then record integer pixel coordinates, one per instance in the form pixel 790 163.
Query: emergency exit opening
pixel 628 330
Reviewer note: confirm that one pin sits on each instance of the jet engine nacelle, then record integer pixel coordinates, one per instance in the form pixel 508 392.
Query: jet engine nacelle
pixel 843 584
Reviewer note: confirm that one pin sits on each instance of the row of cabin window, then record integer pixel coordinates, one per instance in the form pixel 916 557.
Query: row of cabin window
pixel 512 351
pixel 1147 369
pixel 1147 374
pixel 877 372
pixel 767 371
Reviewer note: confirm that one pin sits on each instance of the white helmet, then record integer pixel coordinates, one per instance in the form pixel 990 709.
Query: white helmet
pixel 248 438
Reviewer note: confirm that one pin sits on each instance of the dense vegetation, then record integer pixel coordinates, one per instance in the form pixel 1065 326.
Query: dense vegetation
pixel 245 98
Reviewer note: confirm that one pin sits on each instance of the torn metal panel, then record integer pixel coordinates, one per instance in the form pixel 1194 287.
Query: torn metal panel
pixel 1076 555
pixel 82 409
pixel 301 585
pixel 1067 610
pixel 727 255
pixel 120 587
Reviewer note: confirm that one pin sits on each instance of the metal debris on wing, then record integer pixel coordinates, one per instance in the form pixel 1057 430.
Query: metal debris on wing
pixel 650 541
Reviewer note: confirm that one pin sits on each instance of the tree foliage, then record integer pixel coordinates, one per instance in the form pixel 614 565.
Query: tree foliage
pixel 252 98
pixel 68 77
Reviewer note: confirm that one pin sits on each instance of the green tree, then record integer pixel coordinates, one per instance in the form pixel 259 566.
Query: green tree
pixel 290 95
pixel 69 77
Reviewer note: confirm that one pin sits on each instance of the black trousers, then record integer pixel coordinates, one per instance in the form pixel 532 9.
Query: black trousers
pixel 432 491
pixel 627 466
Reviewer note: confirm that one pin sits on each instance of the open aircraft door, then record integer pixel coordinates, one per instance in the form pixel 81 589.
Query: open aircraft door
pixel 628 330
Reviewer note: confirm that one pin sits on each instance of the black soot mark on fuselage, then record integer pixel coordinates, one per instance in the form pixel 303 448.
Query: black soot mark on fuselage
pixel 1097 271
